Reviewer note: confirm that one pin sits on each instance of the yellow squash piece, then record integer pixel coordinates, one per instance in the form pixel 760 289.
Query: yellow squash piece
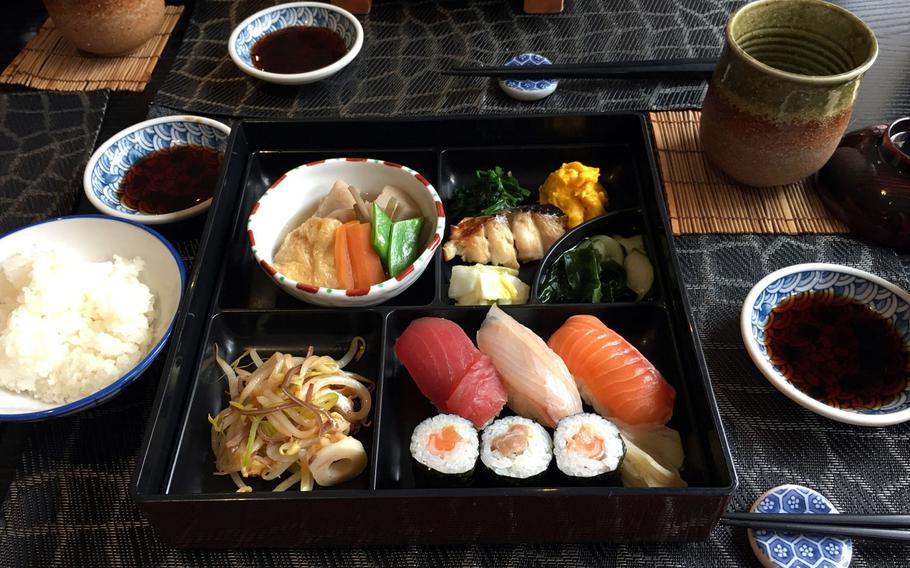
pixel 574 189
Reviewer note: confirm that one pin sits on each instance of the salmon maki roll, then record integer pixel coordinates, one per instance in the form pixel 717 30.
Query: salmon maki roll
pixel 611 374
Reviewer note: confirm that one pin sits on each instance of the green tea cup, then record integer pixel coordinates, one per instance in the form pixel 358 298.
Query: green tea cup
pixel 783 90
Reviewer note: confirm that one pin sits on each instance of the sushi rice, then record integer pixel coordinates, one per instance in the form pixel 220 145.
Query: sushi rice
pixel 533 459
pixel 575 464
pixel 457 461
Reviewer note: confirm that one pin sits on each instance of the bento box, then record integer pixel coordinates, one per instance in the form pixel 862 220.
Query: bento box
pixel 233 304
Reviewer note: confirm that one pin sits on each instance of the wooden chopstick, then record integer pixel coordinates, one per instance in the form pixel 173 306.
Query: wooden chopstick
pixel 694 68
pixel 831 525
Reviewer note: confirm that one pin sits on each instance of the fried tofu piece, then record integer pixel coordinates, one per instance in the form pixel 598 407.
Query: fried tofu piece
pixel 307 254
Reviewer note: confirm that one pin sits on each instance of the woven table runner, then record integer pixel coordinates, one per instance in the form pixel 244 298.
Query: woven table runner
pixel 406 43
pixel 51 62
pixel 69 502
pixel 702 199
pixel 45 142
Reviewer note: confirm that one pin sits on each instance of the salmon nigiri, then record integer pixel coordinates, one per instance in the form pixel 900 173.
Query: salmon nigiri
pixel 613 377
pixel 537 381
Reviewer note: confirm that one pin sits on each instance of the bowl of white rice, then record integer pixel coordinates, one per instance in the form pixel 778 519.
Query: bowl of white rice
pixel 86 304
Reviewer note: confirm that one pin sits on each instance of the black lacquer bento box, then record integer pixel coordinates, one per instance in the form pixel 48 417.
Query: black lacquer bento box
pixel 232 303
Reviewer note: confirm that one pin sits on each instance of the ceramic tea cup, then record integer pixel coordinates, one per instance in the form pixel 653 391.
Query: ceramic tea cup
pixel 783 90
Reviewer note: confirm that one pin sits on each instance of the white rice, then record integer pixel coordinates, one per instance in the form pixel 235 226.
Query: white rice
pixel 69 327
pixel 532 461
pixel 462 457
pixel 575 465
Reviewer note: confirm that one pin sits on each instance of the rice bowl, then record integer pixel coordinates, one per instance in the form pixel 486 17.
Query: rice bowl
pixel 93 239
pixel 70 327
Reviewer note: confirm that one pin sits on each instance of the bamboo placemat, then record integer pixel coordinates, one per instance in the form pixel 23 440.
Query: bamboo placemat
pixel 50 62
pixel 701 199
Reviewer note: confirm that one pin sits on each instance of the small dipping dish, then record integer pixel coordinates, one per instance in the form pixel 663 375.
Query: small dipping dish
pixel 334 23
pixel 838 290
pixel 132 147
pixel 528 90
pixel 786 550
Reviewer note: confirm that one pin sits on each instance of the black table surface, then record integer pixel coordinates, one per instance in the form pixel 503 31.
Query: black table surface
pixel 885 95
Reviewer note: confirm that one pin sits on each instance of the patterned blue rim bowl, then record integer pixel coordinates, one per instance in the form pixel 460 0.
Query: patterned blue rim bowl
pixel 319 14
pixel 880 295
pixel 111 160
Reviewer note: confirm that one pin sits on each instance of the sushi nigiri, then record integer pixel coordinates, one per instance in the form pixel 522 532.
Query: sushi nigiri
pixel 450 371
pixel 436 352
pixel 613 377
pixel 537 381
pixel 479 395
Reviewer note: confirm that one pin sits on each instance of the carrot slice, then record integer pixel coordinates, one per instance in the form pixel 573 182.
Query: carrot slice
pixel 365 263
pixel 342 257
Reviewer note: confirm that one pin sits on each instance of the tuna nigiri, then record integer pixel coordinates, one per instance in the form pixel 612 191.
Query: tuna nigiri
pixel 613 377
pixel 536 379
pixel 450 371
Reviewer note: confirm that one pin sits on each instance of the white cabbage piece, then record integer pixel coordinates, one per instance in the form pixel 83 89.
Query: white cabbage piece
pixel 484 285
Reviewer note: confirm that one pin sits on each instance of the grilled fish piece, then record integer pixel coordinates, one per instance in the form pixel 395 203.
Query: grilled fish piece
pixel 502 243
pixel 522 234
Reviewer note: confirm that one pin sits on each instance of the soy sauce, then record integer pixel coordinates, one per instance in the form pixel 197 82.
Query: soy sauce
pixel 836 350
pixel 297 49
pixel 171 179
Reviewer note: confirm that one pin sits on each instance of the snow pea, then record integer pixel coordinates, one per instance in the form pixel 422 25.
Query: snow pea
pixel 382 229
pixel 404 244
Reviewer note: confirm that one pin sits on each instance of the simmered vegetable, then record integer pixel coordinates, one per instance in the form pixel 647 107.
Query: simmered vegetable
pixel 493 191
pixel 598 270
pixel 404 245
pixel 343 257
pixel 382 230
pixel 366 268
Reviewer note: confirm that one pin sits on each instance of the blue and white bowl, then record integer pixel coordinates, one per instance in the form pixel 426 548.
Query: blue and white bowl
pixel 97 238
pixel 528 89
pixel 111 160
pixel 791 550
pixel 282 16
pixel 885 298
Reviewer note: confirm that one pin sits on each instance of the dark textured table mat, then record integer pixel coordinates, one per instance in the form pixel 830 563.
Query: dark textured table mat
pixel 408 41
pixel 45 141
pixel 69 503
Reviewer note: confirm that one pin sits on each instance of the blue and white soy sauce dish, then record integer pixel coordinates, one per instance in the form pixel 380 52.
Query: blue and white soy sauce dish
pixel 270 20
pixel 110 162
pixel 791 550
pixel 528 90
pixel 882 297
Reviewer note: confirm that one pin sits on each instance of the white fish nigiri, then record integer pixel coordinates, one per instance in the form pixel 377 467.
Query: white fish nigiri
pixel 537 381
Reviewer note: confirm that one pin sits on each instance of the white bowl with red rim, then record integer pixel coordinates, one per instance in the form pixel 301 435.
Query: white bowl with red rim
pixel 296 195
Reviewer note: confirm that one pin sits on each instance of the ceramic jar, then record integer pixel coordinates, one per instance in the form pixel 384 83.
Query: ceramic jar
pixel 783 90
pixel 866 183
pixel 106 27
